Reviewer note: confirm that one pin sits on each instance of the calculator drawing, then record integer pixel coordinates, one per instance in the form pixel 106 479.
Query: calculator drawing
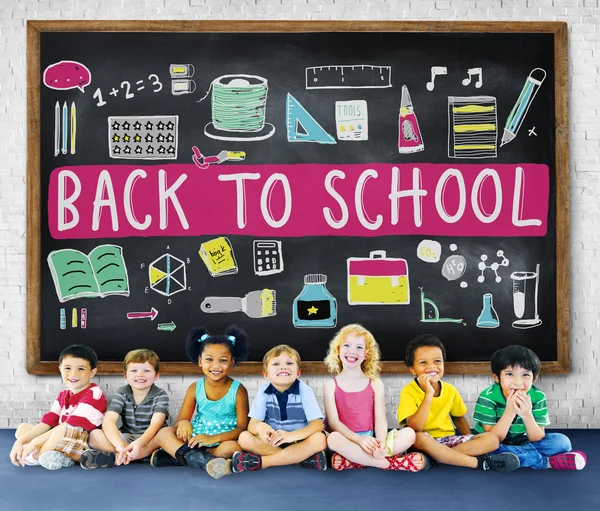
pixel 268 258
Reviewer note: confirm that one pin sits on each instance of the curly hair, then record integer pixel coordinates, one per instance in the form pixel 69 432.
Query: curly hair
pixel 234 338
pixel 371 365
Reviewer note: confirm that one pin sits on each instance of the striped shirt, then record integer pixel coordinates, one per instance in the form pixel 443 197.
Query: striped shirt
pixel 491 405
pixel 136 418
pixel 289 410
pixel 82 410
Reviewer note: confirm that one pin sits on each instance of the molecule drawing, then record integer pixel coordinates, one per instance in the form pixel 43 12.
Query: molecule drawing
pixel 494 266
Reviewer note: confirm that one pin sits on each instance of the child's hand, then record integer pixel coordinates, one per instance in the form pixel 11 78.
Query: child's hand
pixel 27 450
pixel 121 456
pixel 523 404
pixel 265 433
pixel 424 382
pixel 133 450
pixel 16 453
pixel 511 402
pixel 380 451
pixel 199 440
pixel 369 444
pixel 281 437
pixel 184 431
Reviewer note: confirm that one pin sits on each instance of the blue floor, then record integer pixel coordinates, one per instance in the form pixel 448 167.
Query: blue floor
pixel 141 487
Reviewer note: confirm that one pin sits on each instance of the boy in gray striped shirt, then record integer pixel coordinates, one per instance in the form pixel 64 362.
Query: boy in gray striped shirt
pixel 143 409
pixel 517 412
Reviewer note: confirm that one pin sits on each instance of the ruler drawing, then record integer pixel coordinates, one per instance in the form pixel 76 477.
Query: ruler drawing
pixel 349 77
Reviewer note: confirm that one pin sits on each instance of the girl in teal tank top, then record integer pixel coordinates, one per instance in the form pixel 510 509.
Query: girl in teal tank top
pixel 215 408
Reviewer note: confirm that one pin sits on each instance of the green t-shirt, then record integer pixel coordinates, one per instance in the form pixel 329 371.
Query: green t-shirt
pixel 492 403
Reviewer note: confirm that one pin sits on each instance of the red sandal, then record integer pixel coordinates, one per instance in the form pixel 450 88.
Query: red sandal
pixel 406 462
pixel 338 462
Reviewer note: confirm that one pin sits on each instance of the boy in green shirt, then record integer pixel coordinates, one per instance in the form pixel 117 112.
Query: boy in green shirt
pixel 517 413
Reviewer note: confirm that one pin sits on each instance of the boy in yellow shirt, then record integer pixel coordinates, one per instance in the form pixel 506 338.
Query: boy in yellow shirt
pixel 435 411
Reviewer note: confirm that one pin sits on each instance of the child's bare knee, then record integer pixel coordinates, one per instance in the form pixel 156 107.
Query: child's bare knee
pixel 96 435
pixel 421 439
pixel 246 440
pixel 407 434
pixel 22 429
pixel 319 440
pixel 334 441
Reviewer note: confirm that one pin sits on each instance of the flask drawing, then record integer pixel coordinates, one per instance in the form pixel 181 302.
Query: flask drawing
pixel 409 134
pixel 314 307
pixel 488 317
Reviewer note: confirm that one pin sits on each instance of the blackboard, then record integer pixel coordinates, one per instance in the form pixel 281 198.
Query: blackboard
pixel 409 176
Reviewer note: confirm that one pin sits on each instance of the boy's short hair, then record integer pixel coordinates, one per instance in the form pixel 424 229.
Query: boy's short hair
pixel 80 351
pixel 141 356
pixel 278 350
pixel 515 355
pixel 420 341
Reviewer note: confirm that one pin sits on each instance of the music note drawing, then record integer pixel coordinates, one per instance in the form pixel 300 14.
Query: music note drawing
pixel 435 71
pixel 471 72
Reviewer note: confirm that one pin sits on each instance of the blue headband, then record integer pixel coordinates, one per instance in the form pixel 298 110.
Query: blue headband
pixel 206 336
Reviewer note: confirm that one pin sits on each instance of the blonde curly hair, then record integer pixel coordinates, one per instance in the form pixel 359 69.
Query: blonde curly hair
pixel 371 365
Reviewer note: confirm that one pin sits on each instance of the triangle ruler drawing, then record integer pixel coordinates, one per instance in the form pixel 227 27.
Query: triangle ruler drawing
pixel 301 126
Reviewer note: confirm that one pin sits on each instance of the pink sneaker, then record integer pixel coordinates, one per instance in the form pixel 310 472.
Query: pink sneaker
pixel 574 460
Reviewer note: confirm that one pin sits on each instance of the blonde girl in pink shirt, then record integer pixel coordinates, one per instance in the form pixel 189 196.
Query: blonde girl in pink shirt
pixel 355 408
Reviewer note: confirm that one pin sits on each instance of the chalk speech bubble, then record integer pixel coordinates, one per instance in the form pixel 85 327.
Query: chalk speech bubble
pixel 429 251
pixel 67 74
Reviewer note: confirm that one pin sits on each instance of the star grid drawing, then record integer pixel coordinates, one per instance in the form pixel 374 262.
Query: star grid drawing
pixel 143 137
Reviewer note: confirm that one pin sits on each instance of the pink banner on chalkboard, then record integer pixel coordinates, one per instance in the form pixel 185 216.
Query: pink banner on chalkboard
pixel 374 199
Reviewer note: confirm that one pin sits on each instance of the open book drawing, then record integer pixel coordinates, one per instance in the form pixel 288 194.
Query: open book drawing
pixel 100 273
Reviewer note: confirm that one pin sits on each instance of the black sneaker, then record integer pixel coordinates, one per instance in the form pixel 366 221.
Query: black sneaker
pixel 245 461
pixel 161 458
pixel 504 462
pixel 317 461
pixel 93 458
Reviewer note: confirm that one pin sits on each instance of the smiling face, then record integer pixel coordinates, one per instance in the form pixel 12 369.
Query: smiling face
pixel 216 361
pixel 352 351
pixel 428 360
pixel 282 371
pixel 141 376
pixel 76 373
pixel 515 378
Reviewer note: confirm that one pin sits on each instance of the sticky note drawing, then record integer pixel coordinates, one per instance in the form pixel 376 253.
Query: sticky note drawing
pixel 67 74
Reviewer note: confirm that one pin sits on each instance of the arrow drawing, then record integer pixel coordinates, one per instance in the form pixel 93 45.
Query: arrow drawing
pixel 141 315
pixel 166 327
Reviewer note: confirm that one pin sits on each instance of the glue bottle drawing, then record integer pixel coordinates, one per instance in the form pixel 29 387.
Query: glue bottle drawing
pixel 314 307
pixel 488 317
pixel 409 134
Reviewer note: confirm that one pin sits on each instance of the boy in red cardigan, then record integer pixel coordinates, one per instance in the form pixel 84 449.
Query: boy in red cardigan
pixel 61 436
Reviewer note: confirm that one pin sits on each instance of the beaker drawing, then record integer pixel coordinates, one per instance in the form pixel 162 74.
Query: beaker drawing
pixel 525 298
pixel 488 317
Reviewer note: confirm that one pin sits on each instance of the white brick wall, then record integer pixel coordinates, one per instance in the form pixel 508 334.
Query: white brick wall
pixel 574 399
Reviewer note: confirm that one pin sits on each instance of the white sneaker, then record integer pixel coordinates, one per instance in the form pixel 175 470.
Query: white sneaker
pixel 30 459
pixel 53 460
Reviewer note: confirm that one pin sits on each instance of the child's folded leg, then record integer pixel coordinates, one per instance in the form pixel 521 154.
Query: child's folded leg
pixel 442 454
pixel 483 443
pixel 297 452
pixel 354 452
pixel 225 449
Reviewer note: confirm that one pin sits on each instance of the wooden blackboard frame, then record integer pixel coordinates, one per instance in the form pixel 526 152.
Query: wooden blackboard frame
pixel 35 365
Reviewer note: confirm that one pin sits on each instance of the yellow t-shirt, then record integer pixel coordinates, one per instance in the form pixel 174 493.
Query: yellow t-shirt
pixel 448 403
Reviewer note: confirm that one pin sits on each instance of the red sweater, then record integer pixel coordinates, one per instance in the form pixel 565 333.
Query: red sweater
pixel 82 410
